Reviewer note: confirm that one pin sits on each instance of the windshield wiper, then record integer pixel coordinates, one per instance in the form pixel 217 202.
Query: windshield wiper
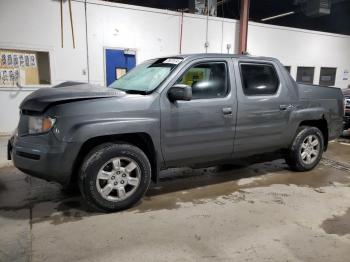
pixel 131 91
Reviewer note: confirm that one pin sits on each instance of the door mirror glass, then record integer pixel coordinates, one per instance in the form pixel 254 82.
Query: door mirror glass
pixel 180 92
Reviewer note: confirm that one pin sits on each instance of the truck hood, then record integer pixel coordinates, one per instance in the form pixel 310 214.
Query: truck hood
pixel 41 99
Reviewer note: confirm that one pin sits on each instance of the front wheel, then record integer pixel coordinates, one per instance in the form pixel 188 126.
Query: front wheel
pixel 307 149
pixel 114 177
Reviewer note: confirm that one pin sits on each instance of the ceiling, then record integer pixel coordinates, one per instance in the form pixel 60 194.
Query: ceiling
pixel 338 21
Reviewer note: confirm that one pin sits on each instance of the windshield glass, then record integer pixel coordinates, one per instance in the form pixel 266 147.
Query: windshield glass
pixel 147 76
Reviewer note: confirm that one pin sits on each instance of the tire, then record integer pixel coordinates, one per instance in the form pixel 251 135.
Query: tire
pixel 302 154
pixel 110 168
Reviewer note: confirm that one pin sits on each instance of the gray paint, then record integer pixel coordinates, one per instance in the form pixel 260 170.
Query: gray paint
pixel 182 132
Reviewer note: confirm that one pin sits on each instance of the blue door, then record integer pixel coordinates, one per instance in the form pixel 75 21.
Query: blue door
pixel 117 63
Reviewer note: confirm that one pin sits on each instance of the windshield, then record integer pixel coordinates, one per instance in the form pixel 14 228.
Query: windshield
pixel 147 76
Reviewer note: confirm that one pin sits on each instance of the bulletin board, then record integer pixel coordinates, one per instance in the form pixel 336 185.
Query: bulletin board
pixel 18 67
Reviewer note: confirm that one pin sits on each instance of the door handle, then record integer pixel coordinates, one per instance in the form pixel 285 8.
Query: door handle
pixel 283 107
pixel 227 110
pixel 286 107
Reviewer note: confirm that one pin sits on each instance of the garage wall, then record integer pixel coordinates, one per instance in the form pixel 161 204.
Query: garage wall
pixel 296 47
pixel 35 25
pixel 150 32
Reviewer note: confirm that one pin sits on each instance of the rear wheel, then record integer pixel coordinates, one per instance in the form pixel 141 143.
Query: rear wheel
pixel 307 149
pixel 114 177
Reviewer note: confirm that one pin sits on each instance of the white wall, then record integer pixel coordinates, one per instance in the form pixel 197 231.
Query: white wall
pixel 193 34
pixel 35 24
pixel 296 47
pixel 152 33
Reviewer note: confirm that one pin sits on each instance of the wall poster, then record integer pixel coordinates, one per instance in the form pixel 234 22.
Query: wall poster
pixel 18 67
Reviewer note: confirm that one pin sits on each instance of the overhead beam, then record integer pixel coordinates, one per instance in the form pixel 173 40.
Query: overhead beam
pixel 243 26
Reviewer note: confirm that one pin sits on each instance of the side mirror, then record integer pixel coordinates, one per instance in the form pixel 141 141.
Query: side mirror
pixel 180 92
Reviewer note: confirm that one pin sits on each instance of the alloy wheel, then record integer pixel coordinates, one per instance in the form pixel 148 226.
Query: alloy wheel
pixel 310 149
pixel 118 179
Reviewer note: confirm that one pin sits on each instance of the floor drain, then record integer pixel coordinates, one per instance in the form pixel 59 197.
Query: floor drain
pixel 335 164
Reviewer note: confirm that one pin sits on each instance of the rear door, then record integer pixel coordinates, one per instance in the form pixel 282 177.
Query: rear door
pixel 203 129
pixel 264 106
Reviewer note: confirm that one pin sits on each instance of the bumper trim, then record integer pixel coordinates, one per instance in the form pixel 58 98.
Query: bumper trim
pixel 52 162
pixel 28 155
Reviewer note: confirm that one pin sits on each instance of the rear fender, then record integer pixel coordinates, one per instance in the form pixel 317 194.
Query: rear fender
pixel 301 115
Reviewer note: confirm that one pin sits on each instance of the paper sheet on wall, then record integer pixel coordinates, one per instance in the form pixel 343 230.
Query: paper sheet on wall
pixel 4 77
pixel 3 59
pixel 9 59
pixel 15 60
pixel 11 77
pixel 21 60
pixel 32 60
pixel 26 60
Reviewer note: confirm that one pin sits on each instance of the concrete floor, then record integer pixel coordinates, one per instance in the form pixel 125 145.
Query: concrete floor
pixel 262 212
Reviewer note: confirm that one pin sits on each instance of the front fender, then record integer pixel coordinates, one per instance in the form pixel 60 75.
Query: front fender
pixel 83 131
pixel 71 131
pixel 79 133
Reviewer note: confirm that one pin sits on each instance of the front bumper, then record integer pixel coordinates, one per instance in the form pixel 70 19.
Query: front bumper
pixel 43 158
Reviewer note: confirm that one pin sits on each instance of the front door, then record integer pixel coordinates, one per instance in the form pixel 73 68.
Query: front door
pixel 117 64
pixel 203 129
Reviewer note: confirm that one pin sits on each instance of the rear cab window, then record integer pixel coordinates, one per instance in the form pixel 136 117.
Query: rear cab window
pixel 259 78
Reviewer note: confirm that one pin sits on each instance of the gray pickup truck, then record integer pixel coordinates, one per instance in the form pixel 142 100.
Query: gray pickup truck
pixel 191 110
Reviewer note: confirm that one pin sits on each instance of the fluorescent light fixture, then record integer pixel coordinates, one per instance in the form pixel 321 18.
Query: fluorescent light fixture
pixel 277 16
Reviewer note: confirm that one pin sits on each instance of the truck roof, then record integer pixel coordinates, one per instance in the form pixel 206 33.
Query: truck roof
pixel 219 55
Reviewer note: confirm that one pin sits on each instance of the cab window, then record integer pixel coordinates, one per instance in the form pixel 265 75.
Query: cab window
pixel 208 80
pixel 259 79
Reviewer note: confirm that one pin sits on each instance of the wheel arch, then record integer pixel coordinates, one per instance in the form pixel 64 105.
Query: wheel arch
pixel 141 140
pixel 321 124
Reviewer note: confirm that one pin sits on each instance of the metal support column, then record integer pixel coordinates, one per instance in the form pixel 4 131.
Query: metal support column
pixel 243 26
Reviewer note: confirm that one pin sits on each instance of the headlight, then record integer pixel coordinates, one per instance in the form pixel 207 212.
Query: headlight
pixel 40 124
pixel 15 133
